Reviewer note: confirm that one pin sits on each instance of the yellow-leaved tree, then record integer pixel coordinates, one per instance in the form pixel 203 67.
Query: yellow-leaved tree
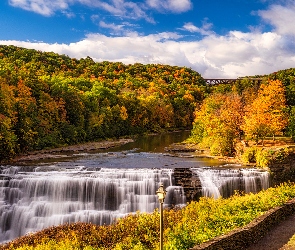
pixel 217 123
pixel 266 115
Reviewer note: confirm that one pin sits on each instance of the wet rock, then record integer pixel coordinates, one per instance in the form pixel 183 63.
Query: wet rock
pixel 180 147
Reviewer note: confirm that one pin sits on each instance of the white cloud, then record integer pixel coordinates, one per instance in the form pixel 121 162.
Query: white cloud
pixel 190 27
pixel 240 54
pixel 122 8
pixel 176 6
pixel 43 7
pixel 116 29
pixel 234 55
pixel 111 8
pixel 204 30
pixel 281 17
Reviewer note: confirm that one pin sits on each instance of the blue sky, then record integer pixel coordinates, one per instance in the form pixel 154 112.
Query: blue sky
pixel 217 38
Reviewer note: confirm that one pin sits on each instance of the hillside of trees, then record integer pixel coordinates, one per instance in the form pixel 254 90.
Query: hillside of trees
pixel 246 110
pixel 50 100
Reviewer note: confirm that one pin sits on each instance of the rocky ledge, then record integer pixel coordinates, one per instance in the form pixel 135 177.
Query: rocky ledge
pixel 68 151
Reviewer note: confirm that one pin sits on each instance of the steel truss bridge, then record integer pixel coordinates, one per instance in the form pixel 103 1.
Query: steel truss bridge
pixel 217 81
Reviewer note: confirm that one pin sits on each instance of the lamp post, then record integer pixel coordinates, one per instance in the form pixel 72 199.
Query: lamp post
pixel 161 195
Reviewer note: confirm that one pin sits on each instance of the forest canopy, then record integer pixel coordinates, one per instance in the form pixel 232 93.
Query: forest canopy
pixel 50 100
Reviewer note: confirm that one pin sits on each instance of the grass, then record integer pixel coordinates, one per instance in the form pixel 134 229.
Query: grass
pixel 291 244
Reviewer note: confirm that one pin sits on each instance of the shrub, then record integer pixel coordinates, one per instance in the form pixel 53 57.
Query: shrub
pixel 249 156
pixel 282 154
pixel 291 243
pixel 260 156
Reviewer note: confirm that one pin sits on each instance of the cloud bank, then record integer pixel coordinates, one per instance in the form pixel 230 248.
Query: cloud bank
pixel 232 55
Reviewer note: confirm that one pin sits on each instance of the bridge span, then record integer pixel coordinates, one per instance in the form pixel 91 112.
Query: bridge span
pixel 217 81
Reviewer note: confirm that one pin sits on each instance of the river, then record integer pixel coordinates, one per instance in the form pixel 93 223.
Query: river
pixel 101 186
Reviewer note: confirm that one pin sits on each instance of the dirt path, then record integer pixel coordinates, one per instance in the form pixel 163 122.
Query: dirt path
pixel 277 237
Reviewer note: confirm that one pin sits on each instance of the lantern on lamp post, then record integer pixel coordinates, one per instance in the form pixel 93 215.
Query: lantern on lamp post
pixel 161 195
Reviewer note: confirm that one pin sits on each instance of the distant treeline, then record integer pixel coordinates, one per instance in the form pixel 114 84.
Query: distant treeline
pixel 49 100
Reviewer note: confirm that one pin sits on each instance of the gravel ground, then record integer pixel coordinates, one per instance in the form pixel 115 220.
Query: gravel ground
pixel 277 237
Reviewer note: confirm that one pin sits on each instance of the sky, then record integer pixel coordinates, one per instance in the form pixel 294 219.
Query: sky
pixel 217 38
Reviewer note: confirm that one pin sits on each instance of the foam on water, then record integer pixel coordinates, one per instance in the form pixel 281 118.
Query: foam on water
pixel 223 182
pixel 31 201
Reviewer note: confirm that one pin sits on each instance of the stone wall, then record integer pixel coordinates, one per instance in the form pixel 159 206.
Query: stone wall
pixel 242 237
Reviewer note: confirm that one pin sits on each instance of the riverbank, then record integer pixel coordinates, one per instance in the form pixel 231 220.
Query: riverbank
pixel 71 150
pixel 271 150
pixel 68 151
pixel 196 151
pixel 180 148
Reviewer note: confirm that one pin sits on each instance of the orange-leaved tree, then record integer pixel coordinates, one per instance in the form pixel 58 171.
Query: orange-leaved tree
pixel 217 123
pixel 266 115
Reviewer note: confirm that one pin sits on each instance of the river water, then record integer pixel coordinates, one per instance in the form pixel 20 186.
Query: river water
pixel 101 186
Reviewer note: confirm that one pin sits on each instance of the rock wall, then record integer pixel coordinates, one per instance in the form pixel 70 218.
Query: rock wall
pixel 241 238
pixel 191 184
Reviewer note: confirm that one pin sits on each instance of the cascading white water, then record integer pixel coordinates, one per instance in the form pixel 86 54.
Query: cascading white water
pixel 58 194
pixel 108 186
pixel 223 182
pixel 31 201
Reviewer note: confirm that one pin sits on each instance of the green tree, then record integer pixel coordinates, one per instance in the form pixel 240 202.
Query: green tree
pixel 8 140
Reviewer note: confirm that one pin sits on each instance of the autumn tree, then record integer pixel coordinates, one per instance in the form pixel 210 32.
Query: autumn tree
pixel 217 123
pixel 8 140
pixel 51 116
pixel 26 111
pixel 266 115
pixel 158 112
pixel 49 100
pixel 61 88
pixel 287 77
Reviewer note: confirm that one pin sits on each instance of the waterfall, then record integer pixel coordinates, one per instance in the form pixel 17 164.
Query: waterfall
pixel 31 201
pixel 223 182
pixel 35 198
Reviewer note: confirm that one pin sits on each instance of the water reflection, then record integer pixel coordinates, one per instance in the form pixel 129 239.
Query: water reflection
pixel 155 143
